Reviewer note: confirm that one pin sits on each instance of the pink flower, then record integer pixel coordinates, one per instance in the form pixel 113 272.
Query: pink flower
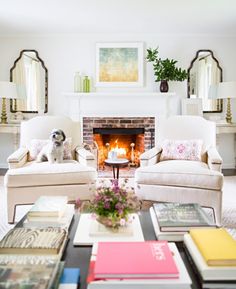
pixel 180 148
pixel 78 203
pixel 122 222
pixel 107 205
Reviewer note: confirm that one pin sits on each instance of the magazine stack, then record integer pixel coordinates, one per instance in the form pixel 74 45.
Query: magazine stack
pixel 30 256
pixel 148 264
pixel 172 220
pixel 50 211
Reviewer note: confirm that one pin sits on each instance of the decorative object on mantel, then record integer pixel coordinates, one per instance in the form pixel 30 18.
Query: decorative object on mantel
pixel 86 84
pixel 113 204
pixel 77 82
pixel 165 70
pixel 119 64
pixel 7 90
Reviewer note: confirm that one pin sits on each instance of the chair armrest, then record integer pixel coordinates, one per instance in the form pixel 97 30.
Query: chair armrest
pixel 150 157
pixel 214 159
pixel 85 157
pixel 18 158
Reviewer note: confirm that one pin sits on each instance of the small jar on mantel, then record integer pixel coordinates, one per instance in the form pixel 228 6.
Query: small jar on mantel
pixel 86 84
pixel 77 82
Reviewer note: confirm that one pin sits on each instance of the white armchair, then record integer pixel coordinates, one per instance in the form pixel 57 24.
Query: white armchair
pixel 183 181
pixel 26 180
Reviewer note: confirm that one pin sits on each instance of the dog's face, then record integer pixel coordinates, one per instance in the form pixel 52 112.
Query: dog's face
pixel 57 136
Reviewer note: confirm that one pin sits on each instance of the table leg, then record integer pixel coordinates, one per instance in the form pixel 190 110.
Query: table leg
pixel 117 173
pixel 114 174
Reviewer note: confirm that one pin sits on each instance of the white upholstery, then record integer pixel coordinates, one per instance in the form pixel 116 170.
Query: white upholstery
pixel 25 181
pixel 190 174
pixel 183 180
pixel 45 174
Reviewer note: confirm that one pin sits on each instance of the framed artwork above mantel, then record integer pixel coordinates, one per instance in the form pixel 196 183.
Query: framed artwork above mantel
pixel 119 64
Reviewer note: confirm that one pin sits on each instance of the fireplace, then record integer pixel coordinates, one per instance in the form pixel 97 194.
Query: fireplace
pixel 123 137
pixel 120 143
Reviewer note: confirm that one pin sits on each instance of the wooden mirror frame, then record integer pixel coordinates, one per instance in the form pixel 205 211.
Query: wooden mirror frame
pixel 46 82
pixel 219 101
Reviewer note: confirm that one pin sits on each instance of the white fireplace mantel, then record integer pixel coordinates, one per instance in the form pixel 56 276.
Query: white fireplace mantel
pixel 122 104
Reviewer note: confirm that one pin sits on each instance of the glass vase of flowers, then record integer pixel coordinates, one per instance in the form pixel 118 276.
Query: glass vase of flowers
pixel 112 204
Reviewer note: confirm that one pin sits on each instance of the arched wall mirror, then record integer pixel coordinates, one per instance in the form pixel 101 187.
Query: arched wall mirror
pixel 31 77
pixel 203 72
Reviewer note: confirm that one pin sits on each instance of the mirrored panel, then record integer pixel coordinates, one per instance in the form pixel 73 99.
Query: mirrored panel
pixel 31 77
pixel 203 72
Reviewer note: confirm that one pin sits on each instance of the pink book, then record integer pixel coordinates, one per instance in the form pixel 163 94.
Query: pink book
pixel 150 259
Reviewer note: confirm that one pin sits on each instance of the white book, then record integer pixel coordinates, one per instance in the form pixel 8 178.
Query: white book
pixel 183 282
pixel 41 222
pixel 48 206
pixel 168 236
pixel 214 273
pixel 83 236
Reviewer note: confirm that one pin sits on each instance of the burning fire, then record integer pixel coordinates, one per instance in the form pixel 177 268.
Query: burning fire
pixel 121 152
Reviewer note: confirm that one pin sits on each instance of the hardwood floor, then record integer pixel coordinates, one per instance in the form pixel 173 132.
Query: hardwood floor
pixel 2 172
pixel 229 172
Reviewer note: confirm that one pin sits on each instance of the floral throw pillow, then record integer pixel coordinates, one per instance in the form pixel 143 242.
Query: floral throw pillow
pixel 36 146
pixel 181 150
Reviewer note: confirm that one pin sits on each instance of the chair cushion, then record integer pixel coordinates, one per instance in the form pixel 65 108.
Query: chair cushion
pixel 180 173
pixel 44 174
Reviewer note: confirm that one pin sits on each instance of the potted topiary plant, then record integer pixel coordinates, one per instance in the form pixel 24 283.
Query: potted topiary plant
pixel 165 70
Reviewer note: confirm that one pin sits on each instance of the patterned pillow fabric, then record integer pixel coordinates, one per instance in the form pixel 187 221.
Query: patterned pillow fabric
pixel 37 144
pixel 67 149
pixel 181 150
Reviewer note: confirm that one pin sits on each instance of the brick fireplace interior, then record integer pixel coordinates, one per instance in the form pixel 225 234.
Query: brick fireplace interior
pixel 128 137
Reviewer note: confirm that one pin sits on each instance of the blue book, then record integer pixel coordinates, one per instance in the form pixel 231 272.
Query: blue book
pixel 69 278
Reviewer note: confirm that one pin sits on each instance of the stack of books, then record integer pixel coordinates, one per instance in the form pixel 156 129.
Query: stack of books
pixel 150 264
pixel 41 275
pixel 30 257
pixel 43 241
pixel 212 254
pixel 50 211
pixel 53 206
pixel 70 278
pixel 172 220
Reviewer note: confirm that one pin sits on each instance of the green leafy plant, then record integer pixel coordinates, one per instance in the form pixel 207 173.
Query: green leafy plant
pixel 165 69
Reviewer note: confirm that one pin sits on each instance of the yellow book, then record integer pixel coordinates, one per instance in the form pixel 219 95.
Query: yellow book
pixel 216 246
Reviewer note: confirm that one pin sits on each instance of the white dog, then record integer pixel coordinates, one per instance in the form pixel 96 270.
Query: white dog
pixel 53 151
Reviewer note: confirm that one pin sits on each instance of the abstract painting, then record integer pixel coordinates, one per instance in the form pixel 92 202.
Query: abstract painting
pixel 119 64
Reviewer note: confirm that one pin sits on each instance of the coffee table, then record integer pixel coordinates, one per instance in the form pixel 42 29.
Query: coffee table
pixel 116 164
pixel 80 256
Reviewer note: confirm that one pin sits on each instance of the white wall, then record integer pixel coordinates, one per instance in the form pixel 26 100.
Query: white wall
pixel 65 54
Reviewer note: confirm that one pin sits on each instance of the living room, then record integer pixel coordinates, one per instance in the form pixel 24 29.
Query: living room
pixel 68 36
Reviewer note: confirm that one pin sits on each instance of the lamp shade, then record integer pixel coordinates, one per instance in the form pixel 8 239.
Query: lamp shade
pixel 212 93
pixel 226 89
pixel 8 89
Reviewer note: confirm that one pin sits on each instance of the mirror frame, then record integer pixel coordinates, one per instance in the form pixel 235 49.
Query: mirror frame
pixel 219 101
pixel 46 81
